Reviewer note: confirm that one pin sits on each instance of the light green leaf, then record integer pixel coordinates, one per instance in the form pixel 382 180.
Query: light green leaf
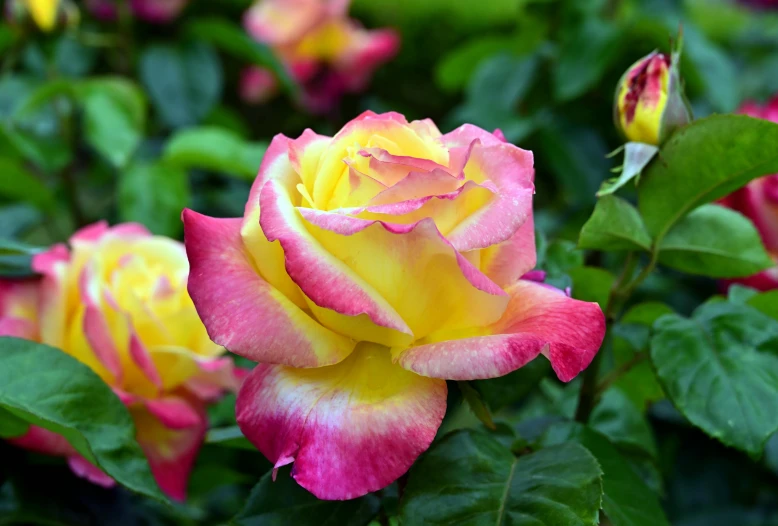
pixel 229 437
pixel 154 194
pixel 281 502
pixel 470 478
pixel 215 149
pixel 114 117
pixel 184 82
pixel 592 284
pixel 703 162
pixel 714 241
pixel 636 156
pixel 46 387
pixel 615 225
pixel 720 369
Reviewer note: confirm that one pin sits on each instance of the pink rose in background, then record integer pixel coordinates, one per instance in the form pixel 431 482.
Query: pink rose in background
pixel 116 300
pixel 328 53
pixel 758 201
pixel 154 11
pixel 368 269
pixel 257 85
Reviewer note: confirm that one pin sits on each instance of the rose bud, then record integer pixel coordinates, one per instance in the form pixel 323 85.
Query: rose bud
pixel 650 103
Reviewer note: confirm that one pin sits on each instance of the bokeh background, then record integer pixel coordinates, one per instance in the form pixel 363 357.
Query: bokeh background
pixel 112 113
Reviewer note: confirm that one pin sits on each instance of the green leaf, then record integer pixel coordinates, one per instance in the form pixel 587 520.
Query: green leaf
pixel 714 241
pixel 46 387
pixel 626 500
pixel 616 417
pixel 18 183
pixel 720 369
pixel 229 437
pixel 233 39
pixel 470 478
pixel 16 258
pixel 215 149
pixel 184 82
pixel 766 303
pixel 703 162
pixel 714 69
pixel 511 388
pixel 636 157
pixel 476 403
pixel 592 284
pixel 280 502
pixel 154 194
pixel 586 51
pixel 11 425
pixel 458 66
pixel 114 117
pixel 615 225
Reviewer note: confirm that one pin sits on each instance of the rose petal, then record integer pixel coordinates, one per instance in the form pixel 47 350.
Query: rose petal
pixel 506 262
pixel 173 412
pixel 85 469
pixel 412 267
pixel 171 452
pixel 244 313
pixel 350 428
pixel 539 319
pixel 321 275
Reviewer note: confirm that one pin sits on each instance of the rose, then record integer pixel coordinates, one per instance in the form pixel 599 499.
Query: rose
pixel 650 103
pixel 758 201
pixel 117 302
pixel 325 51
pixel 154 11
pixel 368 268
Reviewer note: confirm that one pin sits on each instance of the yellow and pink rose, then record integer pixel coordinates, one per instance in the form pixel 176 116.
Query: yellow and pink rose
pixel 328 53
pixel 116 300
pixel 368 269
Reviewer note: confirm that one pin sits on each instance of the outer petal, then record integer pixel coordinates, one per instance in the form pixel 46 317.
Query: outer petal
pixel 413 267
pixel 19 308
pixel 171 451
pixel 539 319
pixel 508 261
pixel 244 313
pixel 350 428
pixel 44 441
pixel 85 469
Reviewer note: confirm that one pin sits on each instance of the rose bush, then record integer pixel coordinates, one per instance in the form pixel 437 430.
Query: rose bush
pixel 116 301
pixel 154 11
pixel 368 268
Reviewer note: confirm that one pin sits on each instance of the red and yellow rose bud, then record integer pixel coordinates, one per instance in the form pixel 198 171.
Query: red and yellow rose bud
pixel 369 268
pixel 116 300
pixel 650 103
pixel 758 201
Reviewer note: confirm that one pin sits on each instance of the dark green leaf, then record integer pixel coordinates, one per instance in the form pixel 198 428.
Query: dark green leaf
pixel 626 500
pixel 703 162
pixel 458 66
pixel 720 369
pixel 18 183
pixel 616 417
pixel 477 405
pixel 229 437
pixel 715 69
pixel 586 51
pixel 48 388
pixel 215 149
pixel 282 502
pixel 184 82
pixel 470 478
pixel 233 39
pixel 511 388
pixel 154 194
pixel 16 258
pixel 615 225
pixel 714 241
